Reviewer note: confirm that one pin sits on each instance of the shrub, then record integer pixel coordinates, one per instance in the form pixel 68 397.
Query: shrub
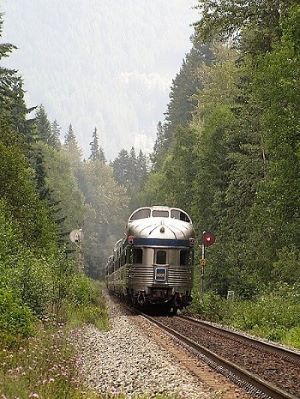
pixel 16 319
pixel 274 315
pixel 85 304
pixel 25 273
pixel 292 337
pixel 82 290
pixel 212 307
pixel 287 267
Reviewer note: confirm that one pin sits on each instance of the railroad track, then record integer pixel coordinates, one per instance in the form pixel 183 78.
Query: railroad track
pixel 264 370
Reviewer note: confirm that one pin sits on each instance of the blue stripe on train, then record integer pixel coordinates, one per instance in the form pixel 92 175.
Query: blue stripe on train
pixel 160 242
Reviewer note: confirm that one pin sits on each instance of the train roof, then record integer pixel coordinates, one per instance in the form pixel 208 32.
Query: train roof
pixel 160 211
pixel 160 223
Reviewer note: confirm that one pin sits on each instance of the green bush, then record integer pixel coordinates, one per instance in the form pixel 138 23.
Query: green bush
pixel 287 267
pixel 274 315
pixel 292 337
pixel 212 307
pixel 85 304
pixel 36 284
pixel 82 290
pixel 16 319
pixel 22 271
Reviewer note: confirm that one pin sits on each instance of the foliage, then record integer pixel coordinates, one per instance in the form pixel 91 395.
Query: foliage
pixel 182 101
pixel 105 208
pixel 47 190
pixel 22 272
pixel 16 319
pixel 96 151
pixel 252 25
pixel 45 366
pixel 65 191
pixel 72 148
pixel 18 188
pixel 46 132
pixel 234 163
pixel 130 171
pixel 227 152
pixel 273 315
pixel 287 267
pixel 212 307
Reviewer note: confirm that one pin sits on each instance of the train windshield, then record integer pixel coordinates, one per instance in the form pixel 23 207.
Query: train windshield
pixel 141 214
pixel 160 214
pixel 161 257
pixel 177 214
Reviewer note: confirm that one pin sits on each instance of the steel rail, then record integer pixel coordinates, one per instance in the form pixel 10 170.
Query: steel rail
pixel 266 346
pixel 260 384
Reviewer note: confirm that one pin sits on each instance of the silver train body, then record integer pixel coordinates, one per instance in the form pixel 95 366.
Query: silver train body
pixel 153 263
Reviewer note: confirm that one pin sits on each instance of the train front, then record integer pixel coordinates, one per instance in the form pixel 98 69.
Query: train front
pixel 161 241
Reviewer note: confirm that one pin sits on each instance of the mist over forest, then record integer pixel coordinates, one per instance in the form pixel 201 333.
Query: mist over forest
pixel 100 63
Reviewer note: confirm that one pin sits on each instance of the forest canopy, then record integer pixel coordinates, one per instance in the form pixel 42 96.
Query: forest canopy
pixel 228 149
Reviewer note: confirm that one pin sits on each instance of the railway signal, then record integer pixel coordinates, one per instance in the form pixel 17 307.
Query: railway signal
pixel 207 239
pixel 76 236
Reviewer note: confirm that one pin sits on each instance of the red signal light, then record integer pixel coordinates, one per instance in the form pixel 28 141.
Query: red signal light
pixel 208 238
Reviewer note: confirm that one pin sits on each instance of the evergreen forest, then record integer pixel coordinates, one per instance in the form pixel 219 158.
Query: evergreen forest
pixel 227 152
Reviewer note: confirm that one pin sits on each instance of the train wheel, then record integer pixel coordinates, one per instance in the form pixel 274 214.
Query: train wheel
pixel 173 311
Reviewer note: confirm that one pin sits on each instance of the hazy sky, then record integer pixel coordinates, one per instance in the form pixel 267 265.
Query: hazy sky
pixel 103 63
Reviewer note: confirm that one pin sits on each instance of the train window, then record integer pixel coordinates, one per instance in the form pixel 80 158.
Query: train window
pixel 160 214
pixel 184 257
pixel 161 257
pixel 137 255
pixel 123 258
pixel 141 214
pixel 128 255
pixel 177 214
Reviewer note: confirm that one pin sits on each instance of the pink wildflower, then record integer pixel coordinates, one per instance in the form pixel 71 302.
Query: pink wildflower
pixel 33 395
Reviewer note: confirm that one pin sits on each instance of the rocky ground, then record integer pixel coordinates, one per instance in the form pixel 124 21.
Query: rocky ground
pixel 124 360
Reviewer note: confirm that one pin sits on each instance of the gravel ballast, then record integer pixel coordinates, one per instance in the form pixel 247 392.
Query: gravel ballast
pixel 124 360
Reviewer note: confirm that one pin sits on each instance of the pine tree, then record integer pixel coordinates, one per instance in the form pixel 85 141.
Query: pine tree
pixel 74 154
pixel 252 25
pixel 121 168
pixel 55 135
pixel 12 105
pixel 97 152
pixel 186 84
pixel 71 144
pixel 141 165
pixel 159 147
pixel 43 125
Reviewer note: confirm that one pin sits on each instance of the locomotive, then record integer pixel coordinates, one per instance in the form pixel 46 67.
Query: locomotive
pixel 153 264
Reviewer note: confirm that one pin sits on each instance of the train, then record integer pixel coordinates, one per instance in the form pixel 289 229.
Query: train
pixel 152 265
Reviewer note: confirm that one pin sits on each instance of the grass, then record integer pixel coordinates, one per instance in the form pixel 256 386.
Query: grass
pixel 274 315
pixel 45 365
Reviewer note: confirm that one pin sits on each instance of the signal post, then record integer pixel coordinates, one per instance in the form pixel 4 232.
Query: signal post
pixel 207 239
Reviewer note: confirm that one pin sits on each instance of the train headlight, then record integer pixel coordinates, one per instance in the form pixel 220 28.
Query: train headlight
pixel 192 242
pixel 130 240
